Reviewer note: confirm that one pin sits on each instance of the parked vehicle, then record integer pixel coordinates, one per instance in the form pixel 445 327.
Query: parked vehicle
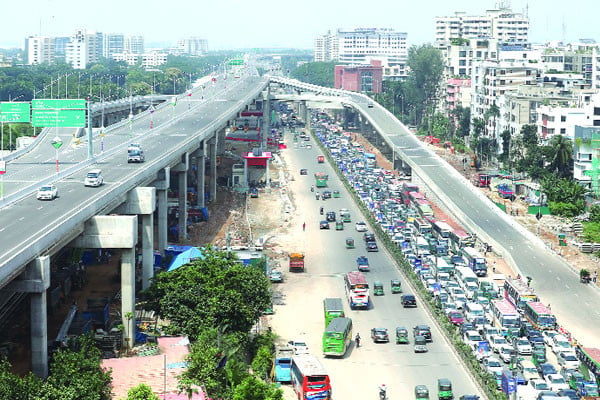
pixel 296 262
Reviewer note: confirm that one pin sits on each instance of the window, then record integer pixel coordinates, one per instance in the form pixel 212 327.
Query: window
pixel 563 131
pixel 596 110
pixel 563 118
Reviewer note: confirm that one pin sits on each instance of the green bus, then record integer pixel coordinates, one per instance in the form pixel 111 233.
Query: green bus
pixel 332 308
pixel 337 337
pixel 321 179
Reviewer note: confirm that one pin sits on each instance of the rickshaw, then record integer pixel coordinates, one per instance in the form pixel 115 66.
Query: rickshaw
pixel 401 335
pixel 421 392
pixel 396 286
pixel 339 225
pixel 336 194
pixel 445 389
pixel 349 243
pixel 378 288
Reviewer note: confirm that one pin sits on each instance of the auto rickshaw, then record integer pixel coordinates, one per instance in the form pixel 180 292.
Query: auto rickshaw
pixel 402 336
pixel 339 225
pixel 336 194
pixel 349 243
pixel 396 286
pixel 445 389
pixel 378 288
pixel 421 392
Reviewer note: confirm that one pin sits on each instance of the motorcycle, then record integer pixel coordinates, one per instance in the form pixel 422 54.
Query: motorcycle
pixel 382 393
pixel 357 340
pixel 312 189
pixel 321 210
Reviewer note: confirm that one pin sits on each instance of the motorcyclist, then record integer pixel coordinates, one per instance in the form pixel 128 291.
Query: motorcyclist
pixel 357 339
pixel 312 188
pixel 382 391
pixel 321 210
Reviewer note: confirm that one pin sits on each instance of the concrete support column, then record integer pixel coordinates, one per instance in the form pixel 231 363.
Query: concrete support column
pixel 200 163
pixel 245 172
pixel 182 176
pixel 163 228
pixel 147 249
pixel 268 176
pixel 266 118
pixel 212 145
pixel 128 295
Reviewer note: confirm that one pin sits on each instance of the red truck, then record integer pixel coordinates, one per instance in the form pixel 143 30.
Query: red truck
pixel 296 262
pixel 482 180
pixel 320 159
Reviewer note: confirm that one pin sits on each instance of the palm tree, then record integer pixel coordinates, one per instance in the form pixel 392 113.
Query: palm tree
pixel 561 155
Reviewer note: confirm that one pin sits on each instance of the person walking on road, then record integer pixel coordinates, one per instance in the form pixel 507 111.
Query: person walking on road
pixel 303 226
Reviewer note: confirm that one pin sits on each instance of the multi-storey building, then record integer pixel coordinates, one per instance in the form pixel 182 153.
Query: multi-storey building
pixel 134 44
pixel 461 53
pixel 112 43
pixel 192 46
pixel 458 93
pixel 326 48
pixel 39 50
pixel 586 154
pixel 60 47
pixel 84 48
pixel 359 78
pixel 153 59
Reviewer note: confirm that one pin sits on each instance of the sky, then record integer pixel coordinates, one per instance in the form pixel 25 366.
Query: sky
pixel 236 24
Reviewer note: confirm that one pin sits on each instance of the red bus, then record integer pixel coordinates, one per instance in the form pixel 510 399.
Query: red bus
pixel 407 189
pixel 309 378
pixel 518 293
pixel 357 289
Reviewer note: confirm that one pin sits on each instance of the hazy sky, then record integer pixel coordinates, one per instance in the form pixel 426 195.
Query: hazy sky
pixel 228 24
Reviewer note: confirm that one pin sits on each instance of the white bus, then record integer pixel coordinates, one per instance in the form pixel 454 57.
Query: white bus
pixel 475 261
pixel 357 290
pixel 506 316
pixel 467 280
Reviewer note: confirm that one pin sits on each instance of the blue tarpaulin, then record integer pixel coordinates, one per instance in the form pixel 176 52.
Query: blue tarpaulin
pixel 185 258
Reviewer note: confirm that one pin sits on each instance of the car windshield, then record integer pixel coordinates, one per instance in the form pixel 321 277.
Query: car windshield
pixel 541 386
pixel 45 188
pixel 494 363
pixel 558 379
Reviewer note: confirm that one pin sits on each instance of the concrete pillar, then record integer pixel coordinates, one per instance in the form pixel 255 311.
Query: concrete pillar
pixel 182 170
pixel 36 280
pixel 128 295
pixel 268 176
pixel 147 249
pixel 200 163
pixel 266 118
pixel 245 172
pixel 162 185
pixel 212 144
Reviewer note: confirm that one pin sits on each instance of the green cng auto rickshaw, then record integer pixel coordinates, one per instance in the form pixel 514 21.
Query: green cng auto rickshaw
pixel 339 225
pixel 445 389
pixel 349 243
pixel 402 337
pixel 396 286
pixel 421 392
pixel 336 194
pixel 378 288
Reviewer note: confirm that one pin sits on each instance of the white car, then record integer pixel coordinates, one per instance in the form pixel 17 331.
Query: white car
pixel 560 344
pixel 532 389
pixel 504 353
pixel 299 346
pixel 496 342
pixel 472 338
pixel 492 365
pixel 47 192
pixel 361 227
pixel 523 346
pixel 94 178
pixel 276 276
pixel 548 335
pixel 556 382
pixel 568 360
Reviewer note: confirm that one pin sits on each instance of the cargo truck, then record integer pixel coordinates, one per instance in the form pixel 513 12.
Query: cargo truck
pixel 296 262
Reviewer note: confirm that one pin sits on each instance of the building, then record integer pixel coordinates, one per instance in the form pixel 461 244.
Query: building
pixel 501 24
pixel 39 50
pixel 458 93
pixel 461 53
pixel 127 57
pixel 586 155
pixel 112 43
pixel 153 59
pixel 193 46
pixel 84 48
pixel 134 44
pixel 361 46
pixel 359 78
pixel 60 47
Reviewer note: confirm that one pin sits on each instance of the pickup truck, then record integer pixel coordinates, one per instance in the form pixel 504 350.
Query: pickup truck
pixel 362 263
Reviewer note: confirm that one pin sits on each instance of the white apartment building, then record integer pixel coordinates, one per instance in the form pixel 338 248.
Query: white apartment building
pixel 460 55
pixel 83 49
pixel 127 57
pixel 595 68
pixel 501 24
pixel 360 46
pixel 134 44
pixel 39 50
pixel 192 46
pixel 112 43
pixel 153 59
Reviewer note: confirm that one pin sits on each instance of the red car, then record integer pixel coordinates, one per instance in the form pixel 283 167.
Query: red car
pixel 456 317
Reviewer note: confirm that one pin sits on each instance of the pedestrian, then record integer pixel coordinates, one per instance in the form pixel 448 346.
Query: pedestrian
pixel 494 266
pixel 304 226
pixel 595 276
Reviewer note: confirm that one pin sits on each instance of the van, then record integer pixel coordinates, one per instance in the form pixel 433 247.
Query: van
pixel 135 155
pixel 94 178
pixel 473 310
pixel 528 370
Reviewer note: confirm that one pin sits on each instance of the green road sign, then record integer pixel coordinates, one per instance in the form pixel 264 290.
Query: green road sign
pixel 236 62
pixel 58 118
pixel 77 104
pixel 15 112
pixel 57 143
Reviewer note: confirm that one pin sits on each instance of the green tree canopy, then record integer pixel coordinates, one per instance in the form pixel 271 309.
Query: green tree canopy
pixel 317 73
pixel 141 392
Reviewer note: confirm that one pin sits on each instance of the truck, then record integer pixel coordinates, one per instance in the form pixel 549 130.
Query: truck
pixel 135 154
pixel 506 192
pixel 296 262
pixel 282 364
pixel 362 263
pixel 482 180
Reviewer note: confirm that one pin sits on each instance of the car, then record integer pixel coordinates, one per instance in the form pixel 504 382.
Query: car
pixel 253 193
pixel 492 364
pixel 548 335
pixel 420 344
pixel 490 331
pixel 472 338
pixel 522 345
pixel 568 360
pixel 546 369
pixel 423 330
pixel 362 263
pixel 496 342
pixel 560 343
pixel 47 192
pixel 380 335
pixel 303 171
pixel 570 393
pixel 556 382
pixel 505 354
pixel 94 178
pixel 360 226
pixel 533 387
pixel 324 225
pixel 369 237
pixel 567 373
pixel 308 146
pixel 276 276
pixel 546 395
pixel 330 216
pixel 299 346
pixel 469 397
pixel 528 370
pixel 456 317
pixel 408 300
pixel 326 194
pixel 372 247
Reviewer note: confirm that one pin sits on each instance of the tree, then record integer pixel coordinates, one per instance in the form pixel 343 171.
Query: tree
pixel 141 392
pixel 424 81
pixel 506 137
pixel 253 388
pixel 213 291
pixel 561 156
pixel 317 73
pixel 565 197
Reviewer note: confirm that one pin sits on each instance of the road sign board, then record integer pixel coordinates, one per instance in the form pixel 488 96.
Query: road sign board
pixel 58 118
pixel 236 62
pixel 77 104
pixel 15 112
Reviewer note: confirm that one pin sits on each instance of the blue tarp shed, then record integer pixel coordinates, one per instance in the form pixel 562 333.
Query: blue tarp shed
pixel 185 258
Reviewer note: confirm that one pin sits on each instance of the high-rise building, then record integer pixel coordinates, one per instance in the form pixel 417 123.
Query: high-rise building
pixel 60 46
pixel 39 50
pixel 326 48
pixel 83 49
pixel 134 44
pixel 192 46
pixel 112 43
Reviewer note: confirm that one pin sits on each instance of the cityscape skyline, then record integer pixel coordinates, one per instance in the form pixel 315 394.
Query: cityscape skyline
pixel 269 25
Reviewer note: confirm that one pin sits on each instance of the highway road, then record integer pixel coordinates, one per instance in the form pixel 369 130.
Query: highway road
pixel 362 370
pixel 577 306
pixel 29 227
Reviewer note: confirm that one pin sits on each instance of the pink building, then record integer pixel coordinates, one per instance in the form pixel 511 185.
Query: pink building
pixel 458 93
pixel 359 78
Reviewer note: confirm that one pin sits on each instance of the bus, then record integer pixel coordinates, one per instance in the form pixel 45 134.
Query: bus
pixel 423 226
pixel 421 246
pixel 460 239
pixel 539 315
pixel 408 188
pixel 442 230
pixel 467 280
pixel 475 261
pixel 506 317
pixel 518 293
pixel 357 290
pixel 309 378
pixel 424 208
pixel 321 179
pixel 337 337
pixel 332 308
